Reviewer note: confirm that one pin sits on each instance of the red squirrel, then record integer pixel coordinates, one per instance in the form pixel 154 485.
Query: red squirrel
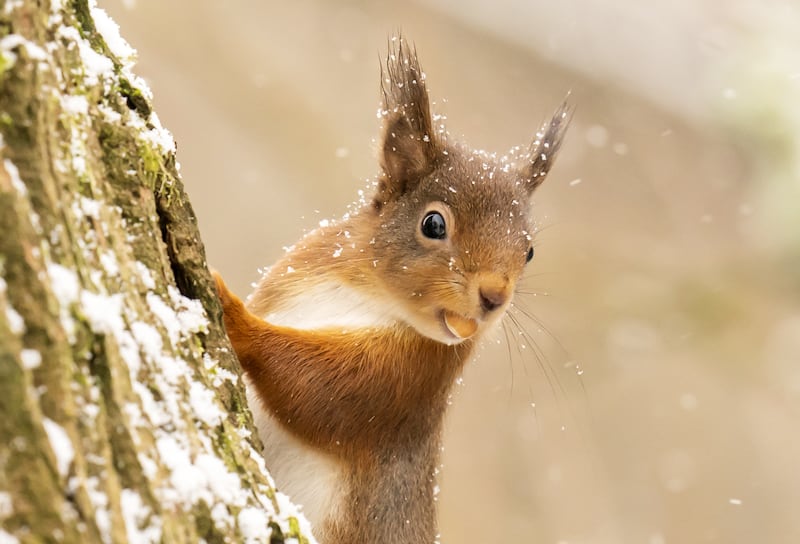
pixel 351 342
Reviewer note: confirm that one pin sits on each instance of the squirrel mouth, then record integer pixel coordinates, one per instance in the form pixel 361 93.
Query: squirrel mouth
pixel 458 325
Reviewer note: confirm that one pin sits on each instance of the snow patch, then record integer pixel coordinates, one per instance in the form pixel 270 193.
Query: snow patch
pixel 75 104
pixel 56 5
pixel 149 467
pixel 217 373
pixel 166 315
pixel 225 484
pixel 202 401
pixel 160 136
pixel 112 116
pixel 109 262
pixel 7 538
pixel 191 314
pixel 30 358
pixel 206 479
pixel 77 150
pixel 146 275
pixel 16 181
pixel 287 507
pixel 148 338
pixel 12 5
pixel 221 516
pixel 98 67
pixel 64 283
pixel 99 500
pixel 253 525
pixel 12 41
pixel 109 30
pixel 189 318
pixel 104 312
pixel 153 133
pixel 60 444
pixel 16 323
pixel 6 505
pixel 140 525
pixel 90 207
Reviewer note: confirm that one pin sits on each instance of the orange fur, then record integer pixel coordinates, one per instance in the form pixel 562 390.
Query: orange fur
pixel 347 393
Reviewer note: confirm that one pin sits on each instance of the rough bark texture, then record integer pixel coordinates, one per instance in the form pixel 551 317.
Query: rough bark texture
pixel 123 413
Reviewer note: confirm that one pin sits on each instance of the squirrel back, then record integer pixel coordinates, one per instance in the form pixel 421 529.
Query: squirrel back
pixel 351 342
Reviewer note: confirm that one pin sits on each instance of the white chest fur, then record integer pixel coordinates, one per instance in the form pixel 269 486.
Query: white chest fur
pixel 331 304
pixel 312 478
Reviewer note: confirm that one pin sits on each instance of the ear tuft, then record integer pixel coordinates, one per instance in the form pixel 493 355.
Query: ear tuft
pixel 409 148
pixel 546 145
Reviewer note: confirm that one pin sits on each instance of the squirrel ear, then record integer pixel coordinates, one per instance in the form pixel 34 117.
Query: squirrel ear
pixel 545 147
pixel 409 147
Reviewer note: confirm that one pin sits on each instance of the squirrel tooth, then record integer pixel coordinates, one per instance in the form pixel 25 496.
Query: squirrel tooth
pixel 460 326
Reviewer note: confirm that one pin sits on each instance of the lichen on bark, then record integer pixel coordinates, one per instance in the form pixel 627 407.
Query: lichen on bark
pixel 124 412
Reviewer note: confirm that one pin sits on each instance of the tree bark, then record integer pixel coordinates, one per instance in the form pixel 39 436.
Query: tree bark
pixel 122 403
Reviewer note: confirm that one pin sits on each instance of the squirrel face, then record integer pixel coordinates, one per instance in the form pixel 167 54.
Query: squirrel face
pixel 455 227
pixel 453 249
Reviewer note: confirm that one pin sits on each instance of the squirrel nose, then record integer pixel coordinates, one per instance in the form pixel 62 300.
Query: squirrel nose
pixel 492 298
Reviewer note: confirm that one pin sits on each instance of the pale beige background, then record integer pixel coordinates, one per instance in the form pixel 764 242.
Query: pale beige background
pixel 665 405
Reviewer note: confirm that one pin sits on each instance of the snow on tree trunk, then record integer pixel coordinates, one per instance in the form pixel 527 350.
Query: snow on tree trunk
pixel 123 412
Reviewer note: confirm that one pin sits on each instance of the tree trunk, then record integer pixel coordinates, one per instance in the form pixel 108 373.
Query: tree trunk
pixel 122 404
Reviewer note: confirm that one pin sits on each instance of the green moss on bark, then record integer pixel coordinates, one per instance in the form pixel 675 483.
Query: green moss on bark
pixel 102 214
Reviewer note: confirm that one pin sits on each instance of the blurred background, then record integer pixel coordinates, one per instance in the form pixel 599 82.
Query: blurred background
pixel 655 395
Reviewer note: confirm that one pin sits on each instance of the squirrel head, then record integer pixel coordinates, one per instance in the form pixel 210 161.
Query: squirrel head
pixel 455 227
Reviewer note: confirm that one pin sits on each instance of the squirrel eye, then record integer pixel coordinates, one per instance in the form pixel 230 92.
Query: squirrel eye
pixel 433 225
pixel 530 255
